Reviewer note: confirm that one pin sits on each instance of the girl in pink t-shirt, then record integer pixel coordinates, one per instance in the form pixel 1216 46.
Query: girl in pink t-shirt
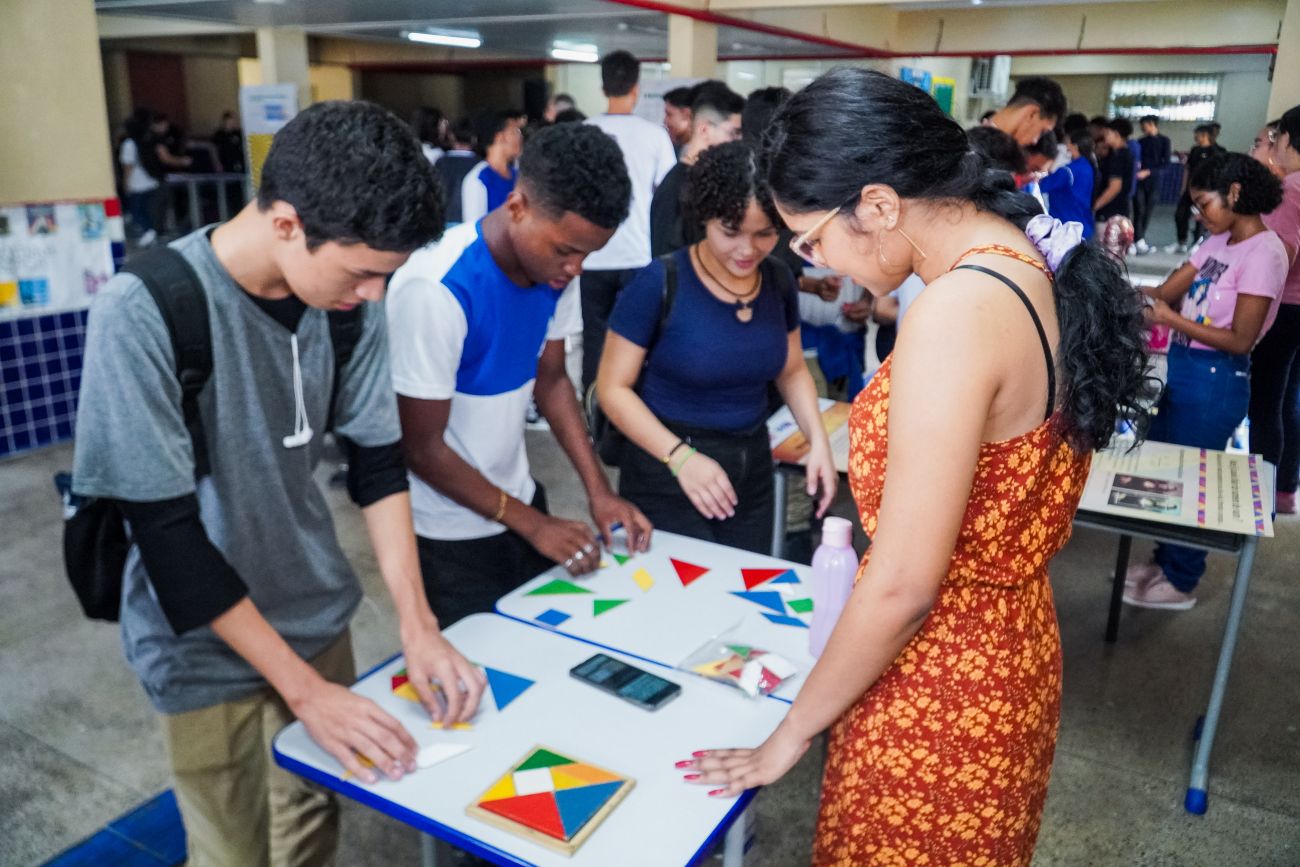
pixel 1228 294
pixel 1275 363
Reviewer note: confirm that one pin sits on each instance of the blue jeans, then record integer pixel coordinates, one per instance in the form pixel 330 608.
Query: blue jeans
pixel 140 207
pixel 1206 397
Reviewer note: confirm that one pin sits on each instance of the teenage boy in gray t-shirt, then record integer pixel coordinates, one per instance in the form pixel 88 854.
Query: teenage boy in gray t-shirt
pixel 237 596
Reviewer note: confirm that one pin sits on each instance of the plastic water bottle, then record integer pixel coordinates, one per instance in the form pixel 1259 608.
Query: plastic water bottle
pixel 833 567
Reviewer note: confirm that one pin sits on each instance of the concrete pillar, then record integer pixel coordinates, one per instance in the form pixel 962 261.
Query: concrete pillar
pixel 54 141
pixel 693 47
pixel 282 52
pixel 1286 68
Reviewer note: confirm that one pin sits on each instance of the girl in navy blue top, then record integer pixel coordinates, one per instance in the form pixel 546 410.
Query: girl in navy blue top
pixel 698 462
pixel 1069 189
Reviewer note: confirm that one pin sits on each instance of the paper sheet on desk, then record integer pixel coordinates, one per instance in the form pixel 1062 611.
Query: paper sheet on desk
pixel 1182 485
pixel 789 445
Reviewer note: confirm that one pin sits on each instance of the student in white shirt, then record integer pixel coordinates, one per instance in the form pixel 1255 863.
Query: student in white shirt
pixel 649 155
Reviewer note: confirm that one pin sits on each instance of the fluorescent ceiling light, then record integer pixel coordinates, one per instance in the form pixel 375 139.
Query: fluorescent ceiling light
pixel 578 52
pixel 454 40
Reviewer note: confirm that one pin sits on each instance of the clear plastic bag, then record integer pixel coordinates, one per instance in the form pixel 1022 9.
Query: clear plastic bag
pixel 731 660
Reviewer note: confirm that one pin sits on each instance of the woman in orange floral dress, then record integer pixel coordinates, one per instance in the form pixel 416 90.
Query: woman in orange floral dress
pixel 941 683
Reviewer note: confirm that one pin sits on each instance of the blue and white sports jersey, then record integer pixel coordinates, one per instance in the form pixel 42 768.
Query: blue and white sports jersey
pixel 460 330
pixel 483 191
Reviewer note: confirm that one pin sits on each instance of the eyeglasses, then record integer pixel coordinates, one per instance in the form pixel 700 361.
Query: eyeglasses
pixel 804 246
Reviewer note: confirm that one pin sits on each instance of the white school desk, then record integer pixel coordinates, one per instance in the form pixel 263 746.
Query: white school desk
pixel 668 622
pixel 663 821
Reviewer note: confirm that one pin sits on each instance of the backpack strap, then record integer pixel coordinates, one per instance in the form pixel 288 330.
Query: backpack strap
pixel 346 328
pixel 669 295
pixel 176 290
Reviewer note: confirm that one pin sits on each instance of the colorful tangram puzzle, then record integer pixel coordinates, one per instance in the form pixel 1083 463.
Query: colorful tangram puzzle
pixel 774 599
pixel 755 671
pixel 506 688
pixel 687 572
pixel 551 799
pixel 403 688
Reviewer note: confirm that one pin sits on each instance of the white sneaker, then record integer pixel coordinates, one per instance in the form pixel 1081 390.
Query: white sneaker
pixel 147 239
pixel 1142 247
pixel 1176 248
pixel 1131 251
pixel 1141 573
pixel 1160 594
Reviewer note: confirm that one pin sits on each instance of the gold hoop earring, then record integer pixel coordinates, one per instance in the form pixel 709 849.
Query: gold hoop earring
pixel 885 264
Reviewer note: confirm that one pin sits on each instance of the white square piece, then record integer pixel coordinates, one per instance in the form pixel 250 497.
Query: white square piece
pixel 533 781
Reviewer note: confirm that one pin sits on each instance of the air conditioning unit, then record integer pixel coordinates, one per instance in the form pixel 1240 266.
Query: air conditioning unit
pixel 990 77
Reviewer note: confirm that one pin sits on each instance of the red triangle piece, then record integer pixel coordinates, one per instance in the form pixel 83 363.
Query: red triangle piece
pixel 687 572
pixel 754 577
pixel 538 811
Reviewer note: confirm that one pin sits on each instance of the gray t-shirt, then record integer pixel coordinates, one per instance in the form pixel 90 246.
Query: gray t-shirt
pixel 260 506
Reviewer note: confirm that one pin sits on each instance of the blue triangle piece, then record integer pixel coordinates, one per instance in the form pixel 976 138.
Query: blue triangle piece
pixel 786 577
pixel 786 621
pixel 505 687
pixel 577 806
pixel 767 598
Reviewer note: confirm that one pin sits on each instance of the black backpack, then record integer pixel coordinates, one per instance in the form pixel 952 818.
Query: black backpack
pixel 95 541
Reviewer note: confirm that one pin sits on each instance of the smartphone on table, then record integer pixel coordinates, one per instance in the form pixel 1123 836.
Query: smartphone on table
pixel 641 688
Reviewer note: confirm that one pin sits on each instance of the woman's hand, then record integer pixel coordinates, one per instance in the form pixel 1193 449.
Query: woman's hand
pixel 821 473
pixel 707 486
pixel 734 771
pixel 1159 313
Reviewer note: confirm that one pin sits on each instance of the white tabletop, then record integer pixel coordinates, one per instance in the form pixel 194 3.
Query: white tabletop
pixel 663 820
pixel 668 622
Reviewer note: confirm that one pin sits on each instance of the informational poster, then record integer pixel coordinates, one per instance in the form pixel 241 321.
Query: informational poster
pixel 264 110
pixel 53 257
pixel 918 77
pixel 789 446
pixel 1181 485
pixel 943 89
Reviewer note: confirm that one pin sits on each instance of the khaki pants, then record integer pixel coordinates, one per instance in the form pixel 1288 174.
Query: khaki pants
pixel 239 808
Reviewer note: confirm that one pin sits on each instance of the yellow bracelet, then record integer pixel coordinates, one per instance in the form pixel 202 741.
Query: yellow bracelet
pixel 501 507
pixel 677 469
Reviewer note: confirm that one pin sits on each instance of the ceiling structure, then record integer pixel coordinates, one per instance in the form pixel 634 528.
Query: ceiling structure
pixel 529 31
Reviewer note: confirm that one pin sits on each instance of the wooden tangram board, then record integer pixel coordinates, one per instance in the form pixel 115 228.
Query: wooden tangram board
pixel 551 799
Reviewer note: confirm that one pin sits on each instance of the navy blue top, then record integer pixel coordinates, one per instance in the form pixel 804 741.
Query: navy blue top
pixel 708 369
pixel 1069 194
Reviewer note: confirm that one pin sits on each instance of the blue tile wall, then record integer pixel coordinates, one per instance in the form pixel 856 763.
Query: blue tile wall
pixel 40 372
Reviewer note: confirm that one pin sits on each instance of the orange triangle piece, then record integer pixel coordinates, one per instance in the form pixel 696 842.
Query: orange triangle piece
pixel 687 572
pixel 754 577
pixel 586 775
pixel 538 811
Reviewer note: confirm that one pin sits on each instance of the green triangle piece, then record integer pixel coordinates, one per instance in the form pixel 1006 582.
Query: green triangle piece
pixel 557 587
pixel 802 606
pixel 600 606
pixel 740 650
pixel 543 758
pixel 621 558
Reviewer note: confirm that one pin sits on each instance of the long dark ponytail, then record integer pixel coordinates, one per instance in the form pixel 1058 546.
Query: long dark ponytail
pixel 854 127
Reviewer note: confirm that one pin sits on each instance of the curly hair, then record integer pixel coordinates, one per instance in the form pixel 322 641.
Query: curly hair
pixel 576 167
pixel 1261 191
pixel 721 184
pixel 853 127
pixel 355 174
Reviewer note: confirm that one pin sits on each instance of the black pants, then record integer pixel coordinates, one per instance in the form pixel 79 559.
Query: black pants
pixel 467 576
pixel 1275 397
pixel 1183 220
pixel 1144 202
pixel 747 460
pixel 599 290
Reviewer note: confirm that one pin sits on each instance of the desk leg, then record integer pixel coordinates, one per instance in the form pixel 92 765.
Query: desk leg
pixel 733 850
pixel 778 512
pixel 1117 588
pixel 1197 794
pixel 435 852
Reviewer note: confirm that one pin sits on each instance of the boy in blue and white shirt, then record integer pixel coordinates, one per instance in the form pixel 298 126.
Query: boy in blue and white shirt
pixel 477 326
pixel 487 185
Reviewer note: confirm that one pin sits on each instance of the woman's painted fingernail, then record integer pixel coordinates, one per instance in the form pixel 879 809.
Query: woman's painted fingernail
pixel 691 777
pixel 685 764
pixel 699 754
pixel 716 792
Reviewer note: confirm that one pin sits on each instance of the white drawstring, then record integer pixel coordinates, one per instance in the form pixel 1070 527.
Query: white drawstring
pixel 302 431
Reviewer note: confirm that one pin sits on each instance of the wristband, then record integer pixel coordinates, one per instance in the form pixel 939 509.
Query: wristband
pixel 501 507
pixel 677 469
pixel 668 457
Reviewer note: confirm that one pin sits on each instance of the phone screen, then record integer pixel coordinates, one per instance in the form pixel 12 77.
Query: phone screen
pixel 625 681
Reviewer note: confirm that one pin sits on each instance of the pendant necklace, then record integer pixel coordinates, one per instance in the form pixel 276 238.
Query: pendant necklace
pixel 744 308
